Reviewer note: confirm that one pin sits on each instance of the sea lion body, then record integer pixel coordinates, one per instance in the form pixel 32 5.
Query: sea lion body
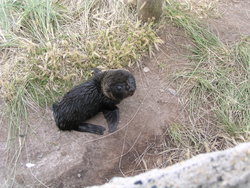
pixel 100 94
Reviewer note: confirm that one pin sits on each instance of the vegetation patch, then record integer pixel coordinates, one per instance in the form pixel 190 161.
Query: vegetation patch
pixel 216 89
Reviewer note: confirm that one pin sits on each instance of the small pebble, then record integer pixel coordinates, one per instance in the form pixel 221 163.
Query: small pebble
pixel 146 69
pixel 172 91
pixel 29 165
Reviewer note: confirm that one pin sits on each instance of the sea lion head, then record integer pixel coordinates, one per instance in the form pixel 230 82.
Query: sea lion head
pixel 118 84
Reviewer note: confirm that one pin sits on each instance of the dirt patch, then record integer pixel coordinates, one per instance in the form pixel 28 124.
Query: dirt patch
pixel 3 144
pixel 73 159
pixel 234 22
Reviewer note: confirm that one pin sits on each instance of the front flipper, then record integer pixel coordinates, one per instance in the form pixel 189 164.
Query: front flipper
pixel 112 117
pixel 87 127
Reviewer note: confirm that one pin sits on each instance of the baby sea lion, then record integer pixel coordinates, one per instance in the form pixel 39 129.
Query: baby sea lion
pixel 99 94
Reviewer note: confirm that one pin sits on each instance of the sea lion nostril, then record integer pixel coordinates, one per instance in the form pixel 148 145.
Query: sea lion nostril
pixel 131 92
pixel 132 89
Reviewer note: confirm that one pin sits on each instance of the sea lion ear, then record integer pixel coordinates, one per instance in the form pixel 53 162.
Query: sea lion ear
pixel 96 71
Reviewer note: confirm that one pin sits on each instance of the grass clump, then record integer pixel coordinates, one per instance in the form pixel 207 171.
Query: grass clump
pixel 202 8
pixel 40 19
pixel 182 142
pixel 220 75
pixel 179 135
pixel 216 88
pixel 33 20
pixel 205 42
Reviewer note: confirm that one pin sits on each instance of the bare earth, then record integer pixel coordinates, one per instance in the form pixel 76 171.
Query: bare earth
pixel 73 159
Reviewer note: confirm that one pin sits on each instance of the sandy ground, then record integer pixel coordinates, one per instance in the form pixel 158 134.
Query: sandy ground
pixel 234 21
pixel 73 159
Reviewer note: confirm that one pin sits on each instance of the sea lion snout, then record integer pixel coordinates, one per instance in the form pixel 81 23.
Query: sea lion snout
pixel 131 91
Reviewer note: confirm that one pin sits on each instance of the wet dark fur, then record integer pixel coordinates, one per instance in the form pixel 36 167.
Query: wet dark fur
pixel 100 94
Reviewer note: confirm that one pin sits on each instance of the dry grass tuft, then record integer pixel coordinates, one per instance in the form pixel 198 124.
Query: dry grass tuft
pixel 201 8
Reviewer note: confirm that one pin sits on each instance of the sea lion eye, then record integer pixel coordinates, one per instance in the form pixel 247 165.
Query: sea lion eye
pixel 119 87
